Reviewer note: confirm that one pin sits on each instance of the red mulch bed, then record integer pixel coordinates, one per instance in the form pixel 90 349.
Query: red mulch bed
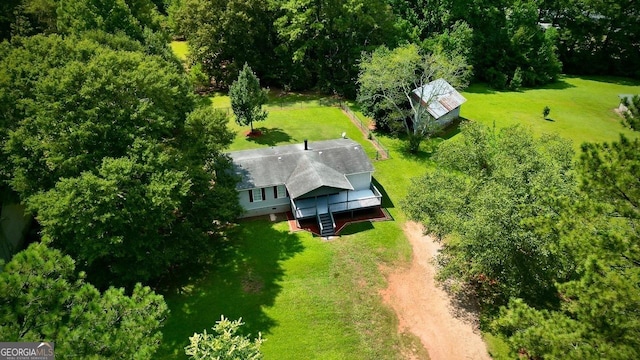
pixel 253 134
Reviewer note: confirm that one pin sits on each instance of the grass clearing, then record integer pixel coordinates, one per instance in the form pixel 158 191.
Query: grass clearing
pixel 581 108
pixel 314 299
pixel 180 48
pixel 309 298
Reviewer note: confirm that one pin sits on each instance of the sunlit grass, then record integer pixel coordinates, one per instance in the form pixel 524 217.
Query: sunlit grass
pixel 313 299
pixel 582 109
pixel 309 298
pixel 180 48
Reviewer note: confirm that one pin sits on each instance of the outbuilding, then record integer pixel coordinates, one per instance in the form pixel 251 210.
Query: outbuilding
pixel 443 102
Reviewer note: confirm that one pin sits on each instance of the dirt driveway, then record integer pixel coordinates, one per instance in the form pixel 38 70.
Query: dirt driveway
pixel 426 310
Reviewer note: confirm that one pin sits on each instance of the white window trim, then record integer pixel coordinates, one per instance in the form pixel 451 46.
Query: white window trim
pixel 257 195
pixel 281 191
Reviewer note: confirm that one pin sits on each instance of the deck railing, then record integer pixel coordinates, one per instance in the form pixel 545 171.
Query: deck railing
pixel 339 206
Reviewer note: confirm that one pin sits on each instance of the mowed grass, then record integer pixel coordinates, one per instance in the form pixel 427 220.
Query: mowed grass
pixel 291 120
pixel 582 109
pixel 314 299
pixel 180 48
pixel 309 298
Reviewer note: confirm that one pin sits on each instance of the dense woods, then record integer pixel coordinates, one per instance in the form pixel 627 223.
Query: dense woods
pixel 550 247
pixel 317 44
pixel 302 44
pixel 104 141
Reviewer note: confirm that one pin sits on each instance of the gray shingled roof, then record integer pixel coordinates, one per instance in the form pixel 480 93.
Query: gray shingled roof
pixel 324 164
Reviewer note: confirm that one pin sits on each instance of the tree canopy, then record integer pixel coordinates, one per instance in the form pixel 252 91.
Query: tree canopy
pixel 43 298
pixel 301 44
pixel 388 79
pixel 106 146
pixel 224 35
pixel 597 316
pixel 494 198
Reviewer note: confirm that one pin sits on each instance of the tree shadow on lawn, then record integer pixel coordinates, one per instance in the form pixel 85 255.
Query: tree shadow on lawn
pixel 280 99
pixel 612 80
pixel 559 84
pixel 243 281
pixel 484 88
pixel 270 137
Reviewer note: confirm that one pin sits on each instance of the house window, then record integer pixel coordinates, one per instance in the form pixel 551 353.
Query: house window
pixel 256 195
pixel 280 192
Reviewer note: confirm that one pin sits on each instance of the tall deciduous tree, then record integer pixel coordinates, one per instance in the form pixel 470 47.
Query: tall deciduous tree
pixel 325 38
pixel 493 198
pixel 388 79
pixel 83 111
pixel 247 98
pixel 598 315
pixel 225 34
pixel 596 36
pixel 43 298
pixel 533 49
pixel 128 16
pixel 112 135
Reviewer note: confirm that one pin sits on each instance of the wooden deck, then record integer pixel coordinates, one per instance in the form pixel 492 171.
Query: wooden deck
pixel 336 203
pixel 342 220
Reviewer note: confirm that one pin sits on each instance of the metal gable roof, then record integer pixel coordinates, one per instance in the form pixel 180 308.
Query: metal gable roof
pixel 441 97
pixel 325 163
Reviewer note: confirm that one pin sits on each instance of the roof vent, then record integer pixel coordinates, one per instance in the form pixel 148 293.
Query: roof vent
pixel 306 144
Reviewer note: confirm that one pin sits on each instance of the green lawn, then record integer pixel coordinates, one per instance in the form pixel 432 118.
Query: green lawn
pixel 581 108
pixel 180 48
pixel 314 299
pixel 310 298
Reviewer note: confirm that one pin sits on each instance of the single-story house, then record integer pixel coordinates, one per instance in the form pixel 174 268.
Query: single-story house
pixel 313 180
pixel 443 102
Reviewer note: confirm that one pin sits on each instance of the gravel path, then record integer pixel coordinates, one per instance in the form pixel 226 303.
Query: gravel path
pixel 426 310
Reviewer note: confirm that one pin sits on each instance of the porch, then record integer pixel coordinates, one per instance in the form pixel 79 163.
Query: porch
pixel 347 200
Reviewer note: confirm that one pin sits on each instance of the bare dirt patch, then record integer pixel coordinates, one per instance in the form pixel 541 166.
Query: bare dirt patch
pixel 425 310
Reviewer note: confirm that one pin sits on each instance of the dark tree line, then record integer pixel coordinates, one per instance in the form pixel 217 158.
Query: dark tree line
pixel 303 44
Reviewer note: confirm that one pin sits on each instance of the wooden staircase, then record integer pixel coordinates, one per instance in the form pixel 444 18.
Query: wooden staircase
pixel 326 225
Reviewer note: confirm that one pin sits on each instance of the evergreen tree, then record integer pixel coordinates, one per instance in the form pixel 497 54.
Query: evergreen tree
pixel 44 299
pixel 631 117
pixel 247 98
